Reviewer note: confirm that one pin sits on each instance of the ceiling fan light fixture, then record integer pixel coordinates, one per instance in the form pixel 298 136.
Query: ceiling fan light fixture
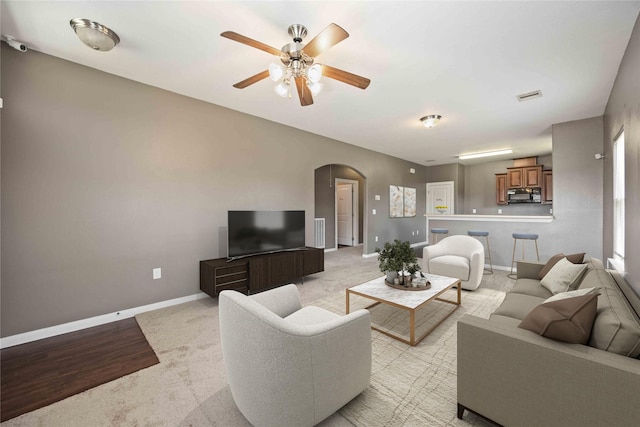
pixel 314 87
pixel 282 89
pixel 430 120
pixel 95 35
pixel 275 72
pixel 314 73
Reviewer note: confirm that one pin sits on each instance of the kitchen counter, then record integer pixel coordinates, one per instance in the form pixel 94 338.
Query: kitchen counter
pixel 501 229
pixel 492 218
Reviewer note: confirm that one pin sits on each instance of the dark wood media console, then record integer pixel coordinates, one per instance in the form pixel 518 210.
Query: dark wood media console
pixel 259 272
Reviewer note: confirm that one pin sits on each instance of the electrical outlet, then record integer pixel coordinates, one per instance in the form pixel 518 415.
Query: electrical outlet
pixel 550 211
pixel 373 212
pixel 413 233
pixel 417 232
pixel 376 238
pixel 474 211
pixel 157 273
pixel 377 197
pixel 499 211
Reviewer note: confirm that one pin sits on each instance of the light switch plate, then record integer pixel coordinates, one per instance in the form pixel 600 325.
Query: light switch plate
pixel 157 273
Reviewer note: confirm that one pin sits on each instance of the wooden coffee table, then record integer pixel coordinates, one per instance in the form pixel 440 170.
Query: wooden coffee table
pixel 408 300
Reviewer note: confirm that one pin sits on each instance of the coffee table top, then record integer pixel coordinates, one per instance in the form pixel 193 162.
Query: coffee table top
pixel 377 289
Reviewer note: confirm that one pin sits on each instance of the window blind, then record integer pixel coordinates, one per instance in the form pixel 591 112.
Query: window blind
pixel 618 198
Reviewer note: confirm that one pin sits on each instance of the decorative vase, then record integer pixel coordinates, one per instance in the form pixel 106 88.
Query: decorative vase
pixel 391 276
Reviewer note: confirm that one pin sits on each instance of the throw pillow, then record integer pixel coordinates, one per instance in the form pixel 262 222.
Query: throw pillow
pixel 574 258
pixel 563 277
pixel 567 320
pixel 571 294
pixel 552 261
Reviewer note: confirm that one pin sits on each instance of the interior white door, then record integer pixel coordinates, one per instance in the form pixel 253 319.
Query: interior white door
pixel 345 214
pixel 440 194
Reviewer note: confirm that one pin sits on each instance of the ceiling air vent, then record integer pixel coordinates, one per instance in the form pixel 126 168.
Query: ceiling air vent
pixel 529 95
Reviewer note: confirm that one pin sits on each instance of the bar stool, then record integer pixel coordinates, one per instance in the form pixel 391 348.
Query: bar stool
pixel 438 232
pixel 523 237
pixel 485 234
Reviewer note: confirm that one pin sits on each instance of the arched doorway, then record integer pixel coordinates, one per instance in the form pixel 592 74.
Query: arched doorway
pixel 338 187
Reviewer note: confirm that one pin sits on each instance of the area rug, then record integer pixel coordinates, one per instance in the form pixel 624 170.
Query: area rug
pixel 410 386
pixel 414 386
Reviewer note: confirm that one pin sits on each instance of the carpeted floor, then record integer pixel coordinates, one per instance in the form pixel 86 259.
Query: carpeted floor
pixel 409 385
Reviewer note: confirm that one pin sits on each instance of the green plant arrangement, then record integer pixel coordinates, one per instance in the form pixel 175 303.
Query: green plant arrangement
pixel 397 257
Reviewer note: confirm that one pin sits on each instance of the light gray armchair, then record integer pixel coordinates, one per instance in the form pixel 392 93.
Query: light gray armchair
pixel 289 365
pixel 461 257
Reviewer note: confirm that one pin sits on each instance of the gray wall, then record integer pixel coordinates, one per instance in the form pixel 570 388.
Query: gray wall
pixel 104 179
pixel 480 189
pixel 325 199
pixel 623 111
pixel 577 208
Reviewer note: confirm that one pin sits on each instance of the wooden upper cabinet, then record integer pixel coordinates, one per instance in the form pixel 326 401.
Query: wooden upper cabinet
pixel 515 178
pixel 501 189
pixel 530 176
pixel 547 186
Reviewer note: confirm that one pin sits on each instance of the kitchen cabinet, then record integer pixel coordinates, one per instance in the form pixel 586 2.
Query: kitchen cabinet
pixel 524 177
pixel 501 189
pixel 547 187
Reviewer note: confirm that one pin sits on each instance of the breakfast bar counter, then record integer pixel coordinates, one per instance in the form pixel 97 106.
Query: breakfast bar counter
pixel 492 218
pixel 501 228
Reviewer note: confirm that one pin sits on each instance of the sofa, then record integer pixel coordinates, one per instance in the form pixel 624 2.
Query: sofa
pixel 289 365
pixel 461 257
pixel 517 377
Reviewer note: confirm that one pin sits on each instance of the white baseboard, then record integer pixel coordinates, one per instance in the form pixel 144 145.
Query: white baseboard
pixel 77 325
pixel 413 245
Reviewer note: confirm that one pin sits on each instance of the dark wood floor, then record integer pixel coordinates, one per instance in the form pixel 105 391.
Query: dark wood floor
pixel 42 372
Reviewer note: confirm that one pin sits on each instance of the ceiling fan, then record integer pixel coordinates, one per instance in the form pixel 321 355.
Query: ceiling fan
pixel 298 59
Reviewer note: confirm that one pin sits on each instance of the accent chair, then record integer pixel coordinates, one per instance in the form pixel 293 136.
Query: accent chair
pixel 289 365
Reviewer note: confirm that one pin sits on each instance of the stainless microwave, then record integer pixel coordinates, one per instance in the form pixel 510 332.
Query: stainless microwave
pixel 524 195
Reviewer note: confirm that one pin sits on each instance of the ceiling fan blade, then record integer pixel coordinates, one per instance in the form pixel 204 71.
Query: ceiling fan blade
pixel 345 77
pixel 251 42
pixel 251 80
pixel 330 36
pixel 304 93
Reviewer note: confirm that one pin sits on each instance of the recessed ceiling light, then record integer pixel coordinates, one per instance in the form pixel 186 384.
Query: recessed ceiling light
pixel 485 154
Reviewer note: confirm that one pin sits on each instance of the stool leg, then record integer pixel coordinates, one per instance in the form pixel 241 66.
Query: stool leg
pixel 537 254
pixel 513 256
pixel 489 250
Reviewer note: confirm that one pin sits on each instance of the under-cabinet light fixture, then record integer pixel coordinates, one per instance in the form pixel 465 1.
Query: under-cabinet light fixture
pixel 485 154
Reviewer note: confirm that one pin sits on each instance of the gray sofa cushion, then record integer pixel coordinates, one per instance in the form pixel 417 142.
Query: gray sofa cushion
pixel 517 306
pixel 615 329
pixel 531 287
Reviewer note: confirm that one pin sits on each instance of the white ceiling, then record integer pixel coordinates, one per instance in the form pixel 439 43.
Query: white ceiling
pixel 464 60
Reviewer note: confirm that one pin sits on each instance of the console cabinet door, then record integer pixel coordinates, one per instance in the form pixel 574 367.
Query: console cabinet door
pixel 271 270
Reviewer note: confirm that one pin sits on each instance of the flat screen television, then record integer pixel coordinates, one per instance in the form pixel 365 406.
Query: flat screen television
pixel 257 232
